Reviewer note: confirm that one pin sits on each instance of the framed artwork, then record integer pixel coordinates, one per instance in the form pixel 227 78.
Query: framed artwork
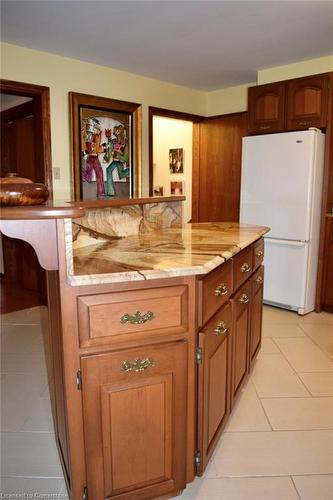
pixel 176 161
pixel 105 147
pixel 177 187
pixel 158 190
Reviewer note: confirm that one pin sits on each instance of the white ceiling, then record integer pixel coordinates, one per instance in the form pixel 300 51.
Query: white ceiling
pixel 201 44
pixel 8 101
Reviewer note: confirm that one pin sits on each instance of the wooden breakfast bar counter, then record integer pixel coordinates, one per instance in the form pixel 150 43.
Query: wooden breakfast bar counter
pixel 153 328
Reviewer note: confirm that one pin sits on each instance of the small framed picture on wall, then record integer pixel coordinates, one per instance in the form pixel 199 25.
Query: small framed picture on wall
pixel 177 187
pixel 158 190
pixel 176 161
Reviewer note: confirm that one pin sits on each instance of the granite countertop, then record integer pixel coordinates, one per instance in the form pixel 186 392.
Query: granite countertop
pixel 189 250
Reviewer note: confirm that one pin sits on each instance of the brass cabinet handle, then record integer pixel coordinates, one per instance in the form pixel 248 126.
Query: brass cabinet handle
pixel 303 124
pixel 137 318
pixel 260 279
pixel 244 299
pixel 264 127
pixel 260 253
pixel 138 365
pixel 221 289
pixel 221 328
pixel 245 268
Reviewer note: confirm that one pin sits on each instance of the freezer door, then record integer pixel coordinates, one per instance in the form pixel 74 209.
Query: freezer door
pixel 286 265
pixel 277 182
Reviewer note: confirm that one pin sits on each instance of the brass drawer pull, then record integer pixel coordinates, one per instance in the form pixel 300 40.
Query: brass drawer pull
pixel 259 254
pixel 304 124
pixel 221 289
pixel 245 268
pixel 138 365
pixel 244 299
pixel 265 127
pixel 221 328
pixel 260 279
pixel 137 318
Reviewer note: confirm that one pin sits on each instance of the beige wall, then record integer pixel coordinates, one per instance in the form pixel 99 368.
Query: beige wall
pixel 63 75
pixel 228 100
pixel 296 70
pixel 171 134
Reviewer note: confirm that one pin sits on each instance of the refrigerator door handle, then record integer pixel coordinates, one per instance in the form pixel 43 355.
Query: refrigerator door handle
pixel 296 243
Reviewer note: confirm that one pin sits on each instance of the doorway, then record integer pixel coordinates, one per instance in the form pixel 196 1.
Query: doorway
pixel 173 158
pixel 25 150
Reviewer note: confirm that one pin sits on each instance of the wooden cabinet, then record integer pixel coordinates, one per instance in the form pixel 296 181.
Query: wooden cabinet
pixel 241 328
pixel 266 108
pixel 134 405
pixel 289 105
pixel 307 100
pixel 257 287
pixel 214 382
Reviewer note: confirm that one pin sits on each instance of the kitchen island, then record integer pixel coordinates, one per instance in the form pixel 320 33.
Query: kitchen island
pixel 153 327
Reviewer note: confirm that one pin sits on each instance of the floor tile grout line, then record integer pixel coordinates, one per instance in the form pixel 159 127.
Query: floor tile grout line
pixel 318 345
pixel 293 369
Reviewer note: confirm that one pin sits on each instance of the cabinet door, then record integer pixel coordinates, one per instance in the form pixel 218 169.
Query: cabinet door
pixel 307 103
pixel 214 382
pixel 266 105
pixel 240 337
pixel 257 285
pixel 134 404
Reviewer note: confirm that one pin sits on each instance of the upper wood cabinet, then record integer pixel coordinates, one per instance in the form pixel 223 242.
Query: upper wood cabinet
pixel 290 105
pixel 266 108
pixel 307 102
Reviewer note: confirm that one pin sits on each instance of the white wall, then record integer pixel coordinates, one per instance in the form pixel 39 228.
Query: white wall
pixel 169 133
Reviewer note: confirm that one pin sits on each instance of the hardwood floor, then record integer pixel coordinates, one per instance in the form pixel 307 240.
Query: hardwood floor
pixel 14 297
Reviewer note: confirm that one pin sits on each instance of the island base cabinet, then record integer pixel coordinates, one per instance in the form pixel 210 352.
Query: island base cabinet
pixel 214 383
pixel 134 405
pixel 241 303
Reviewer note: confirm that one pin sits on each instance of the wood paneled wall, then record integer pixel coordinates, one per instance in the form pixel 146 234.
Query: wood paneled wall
pixel 216 184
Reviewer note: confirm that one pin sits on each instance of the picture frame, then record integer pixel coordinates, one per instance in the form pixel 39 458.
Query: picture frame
pixel 158 190
pixel 176 161
pixel 177 188
pixel 106 147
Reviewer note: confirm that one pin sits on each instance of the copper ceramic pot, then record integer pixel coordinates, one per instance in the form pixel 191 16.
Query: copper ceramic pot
pixel 16 191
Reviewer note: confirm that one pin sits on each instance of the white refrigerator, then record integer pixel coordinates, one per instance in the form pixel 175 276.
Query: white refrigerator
pixel 281 187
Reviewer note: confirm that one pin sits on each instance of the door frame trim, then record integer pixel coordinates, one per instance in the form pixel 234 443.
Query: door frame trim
pixel 41 98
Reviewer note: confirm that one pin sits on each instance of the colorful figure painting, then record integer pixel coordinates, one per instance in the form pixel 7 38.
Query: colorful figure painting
pixel 105 154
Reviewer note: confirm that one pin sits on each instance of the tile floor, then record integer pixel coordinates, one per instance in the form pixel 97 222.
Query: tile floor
pixel 278 444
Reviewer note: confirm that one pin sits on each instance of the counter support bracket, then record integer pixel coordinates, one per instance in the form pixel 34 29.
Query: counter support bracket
pixel 40 234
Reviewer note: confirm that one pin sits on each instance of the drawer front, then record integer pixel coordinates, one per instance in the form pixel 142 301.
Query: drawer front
pixel 258 253
pixel 120 316
pixel 243 266
pixel 216 289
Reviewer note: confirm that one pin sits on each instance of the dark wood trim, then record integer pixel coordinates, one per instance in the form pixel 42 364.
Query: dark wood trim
pixel 121 202
pixel 41 102
pixel 167 113
pixel 179 115
pixel 75 101
pixel 195 172
pixel 327 182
